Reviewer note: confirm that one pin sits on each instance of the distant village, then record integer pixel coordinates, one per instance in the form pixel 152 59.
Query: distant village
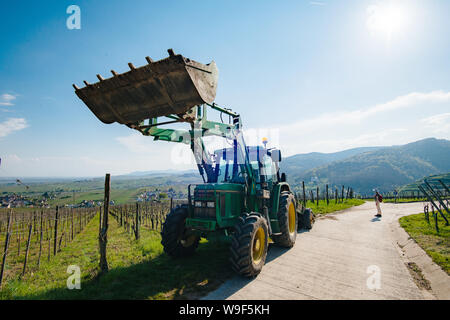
pixel 18 201
pixel 159 195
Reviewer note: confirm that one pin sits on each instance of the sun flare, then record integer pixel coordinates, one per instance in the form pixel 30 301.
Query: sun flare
pixel 388 19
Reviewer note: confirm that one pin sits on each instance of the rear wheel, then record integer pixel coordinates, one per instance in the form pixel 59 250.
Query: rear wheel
pixel 249 244
pixel 176 239
pixel 306 219
pixel 287 219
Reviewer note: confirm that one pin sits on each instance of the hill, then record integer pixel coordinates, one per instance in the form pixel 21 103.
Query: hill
pixel 385 168
pixel 433 180
pixel 300 163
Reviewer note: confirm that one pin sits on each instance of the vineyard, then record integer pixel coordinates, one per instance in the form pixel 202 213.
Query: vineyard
pixel 148 215
pixel 28 237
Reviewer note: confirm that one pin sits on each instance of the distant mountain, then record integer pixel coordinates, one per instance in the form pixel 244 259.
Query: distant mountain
pixel 300 163
pixel 384 168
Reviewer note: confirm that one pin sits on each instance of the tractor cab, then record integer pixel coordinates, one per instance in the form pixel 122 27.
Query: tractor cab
pixel 264 168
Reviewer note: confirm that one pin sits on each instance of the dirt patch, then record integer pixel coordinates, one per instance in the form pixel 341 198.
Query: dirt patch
pixel 329 217
pixel 418 276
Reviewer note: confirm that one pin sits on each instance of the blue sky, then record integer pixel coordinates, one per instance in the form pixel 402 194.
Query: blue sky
pixel 312 75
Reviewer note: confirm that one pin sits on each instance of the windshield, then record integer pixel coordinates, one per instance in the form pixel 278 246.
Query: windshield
pixel 231 167
pixel 228 167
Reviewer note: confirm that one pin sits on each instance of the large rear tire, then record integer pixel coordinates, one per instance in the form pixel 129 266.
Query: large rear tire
pixel 249 244
pixel 176 239
pixel 287 219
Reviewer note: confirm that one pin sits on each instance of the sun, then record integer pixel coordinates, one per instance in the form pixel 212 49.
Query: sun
pixel 388 19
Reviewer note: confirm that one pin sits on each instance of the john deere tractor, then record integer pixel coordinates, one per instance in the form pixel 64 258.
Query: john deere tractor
pixel 243 197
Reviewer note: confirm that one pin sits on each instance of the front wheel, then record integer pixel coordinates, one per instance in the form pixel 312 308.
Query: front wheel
pixel 249 244
pixel 176 240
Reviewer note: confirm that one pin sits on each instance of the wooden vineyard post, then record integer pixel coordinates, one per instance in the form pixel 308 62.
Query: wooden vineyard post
pixel 55 242
pixel 317 193
pixel 335 195
pixel 136 222
pixel 40 241
pixel 27 250
pixel 328 200
pixel 5 251
pixel 435 216
pixel 104 230
pixel 425 210
pixel 342 194
pixel 100 221
pixel 18 240
pixel 152 216
pixel 71 227
pixel 304 194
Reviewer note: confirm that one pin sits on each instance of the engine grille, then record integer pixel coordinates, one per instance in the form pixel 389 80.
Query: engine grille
pixel 204 212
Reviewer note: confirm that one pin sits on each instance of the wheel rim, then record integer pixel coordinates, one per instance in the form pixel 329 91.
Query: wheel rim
pixel 291 218
pixel 188 241
pixel 259 243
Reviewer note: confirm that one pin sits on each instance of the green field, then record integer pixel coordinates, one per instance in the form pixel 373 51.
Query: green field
pixel 437 246
pixel 323 208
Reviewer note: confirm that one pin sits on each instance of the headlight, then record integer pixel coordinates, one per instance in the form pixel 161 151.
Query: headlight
pixel 198 204
pixel 210 204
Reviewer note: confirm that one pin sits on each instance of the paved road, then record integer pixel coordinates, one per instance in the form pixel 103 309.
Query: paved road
pixel 331 261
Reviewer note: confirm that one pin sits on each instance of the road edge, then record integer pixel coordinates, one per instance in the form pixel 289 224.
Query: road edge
pixel 410 251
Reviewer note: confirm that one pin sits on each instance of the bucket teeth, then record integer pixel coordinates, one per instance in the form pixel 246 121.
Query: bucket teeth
pixel 173 85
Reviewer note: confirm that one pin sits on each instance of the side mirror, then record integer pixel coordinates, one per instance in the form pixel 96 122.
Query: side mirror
pixel 283 177
pixel 275 155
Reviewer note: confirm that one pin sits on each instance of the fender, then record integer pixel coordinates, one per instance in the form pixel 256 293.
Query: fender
pixel 277 189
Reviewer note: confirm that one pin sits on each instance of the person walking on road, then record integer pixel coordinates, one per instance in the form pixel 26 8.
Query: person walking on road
pixel 378 198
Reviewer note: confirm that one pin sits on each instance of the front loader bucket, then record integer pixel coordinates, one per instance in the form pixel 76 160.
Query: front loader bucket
pixel 169 86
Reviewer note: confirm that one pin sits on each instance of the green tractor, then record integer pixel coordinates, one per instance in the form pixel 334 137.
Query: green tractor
pixel 243 197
